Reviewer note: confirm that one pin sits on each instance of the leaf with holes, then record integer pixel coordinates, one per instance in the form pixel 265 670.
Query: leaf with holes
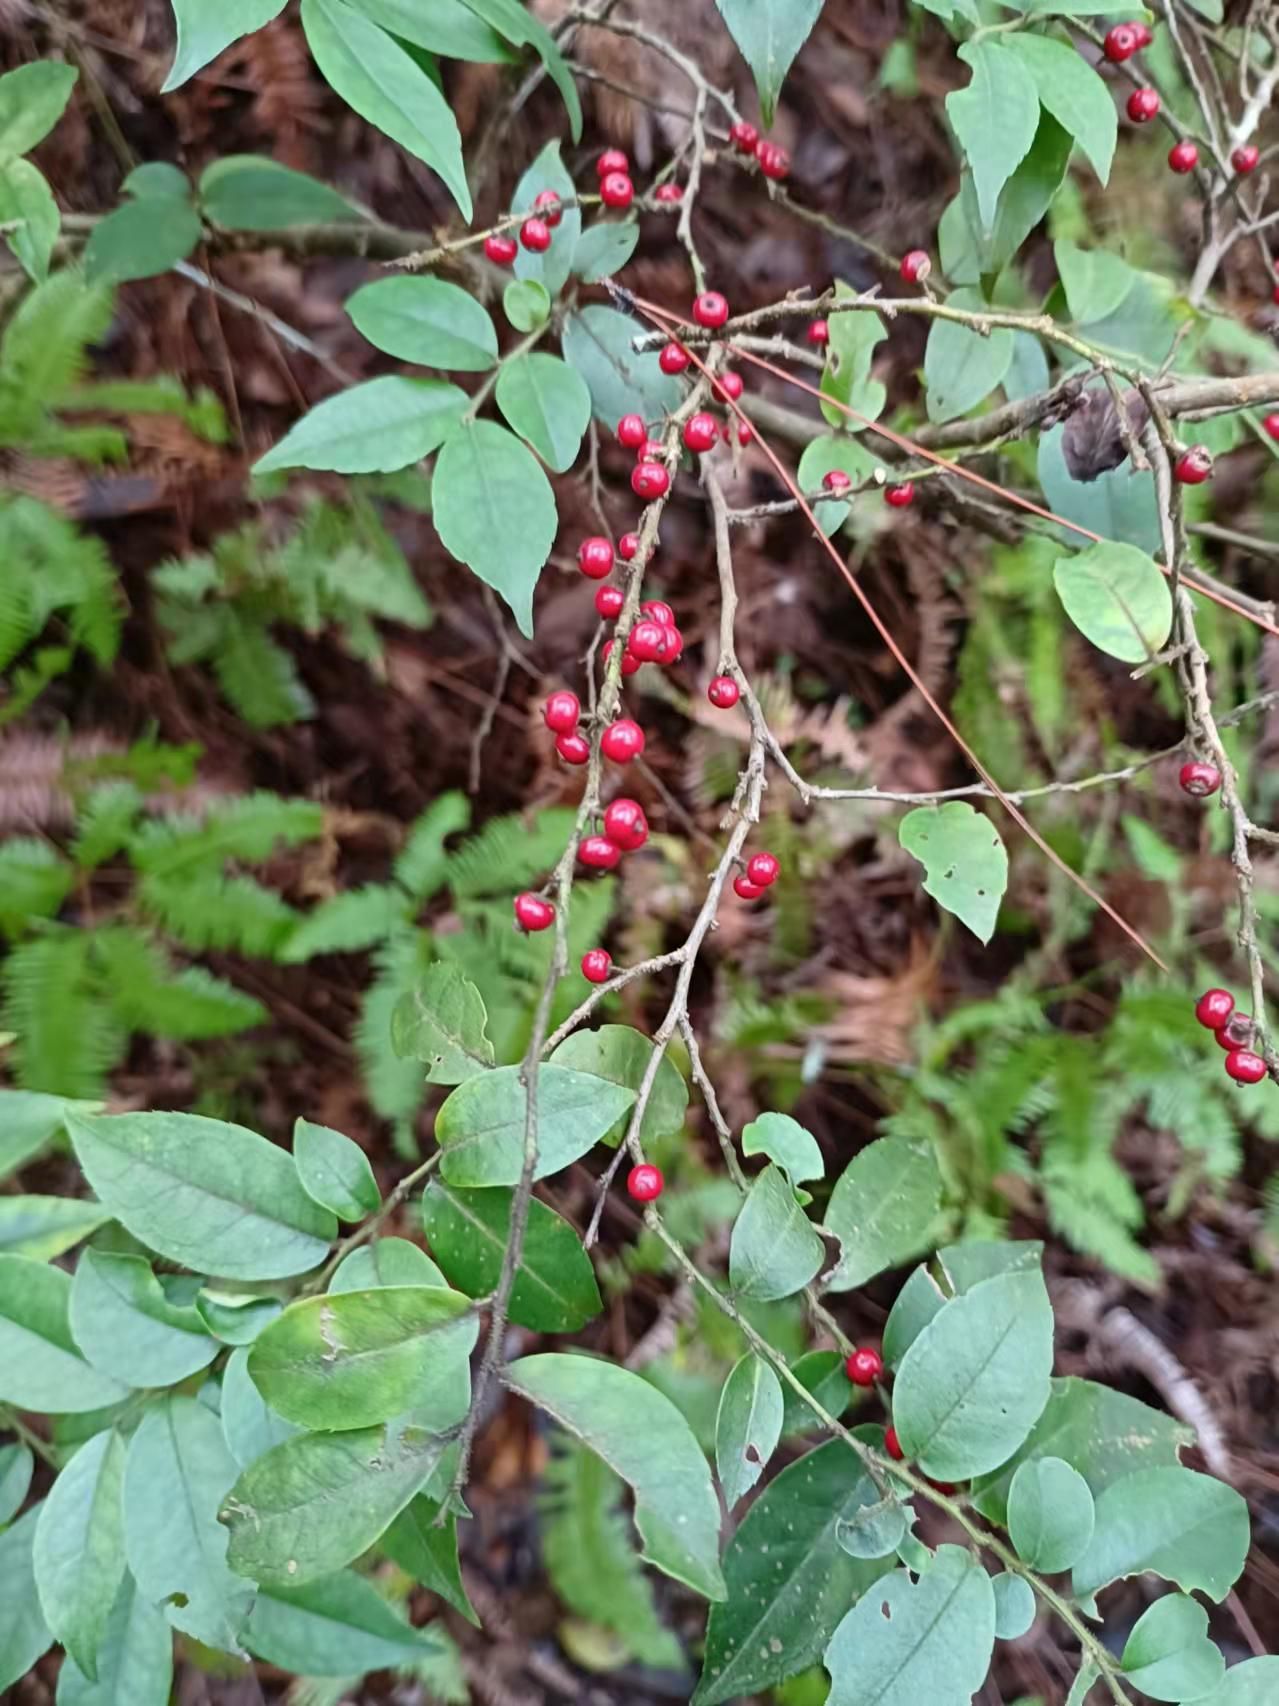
pixel 995 118
pixel 425 320
pixel 443 1024
pixel 748 1426
pixel 1191 1529
pixel 769 33
pixel 547 403
pixel 789 1144
pixel 846 376
pixel 775 1249
pixel 1118 598
pixel 965 863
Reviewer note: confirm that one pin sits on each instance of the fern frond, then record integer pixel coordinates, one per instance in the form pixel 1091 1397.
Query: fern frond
pixel 395 1087
pixel 358 919
pixel 206 909
pixel 34 881
pixel 1087 1219
pixel 148 994
pixel 30 680
pixel 249 827
pixel 439 1677
pixel 353 563
pixel 258 676
pixel 508 853
pixel 57 568
pixel 105 823
pixel 422 862
pixel 45 344
pixel 163 395
pixel 67 1038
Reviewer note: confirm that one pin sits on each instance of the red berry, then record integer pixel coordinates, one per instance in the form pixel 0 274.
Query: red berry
pixel 631 431
pixel 1237 1032
pixel 763 869
pixel 864 1367
pixel 1214 1007
pixel 1199 779
pixel 1122 41
pixel 622 741
pixel 1145 35
pixel 743 137
pixel 595 557
pixel 819 332
pixel 1193 466
pixel 630 663
pixel 562 711
pixel 535 234
pixel 1245 158
pixel 892 1445
pixel 900 497
pixel 1245 1067
pixel 573 748
pixel 599 852
pixel 617 190
pixel 947 1487
pixel 1270 426
pixel 745 432
pixel 700 433
pixel 1143 104
pixel 1274 295
pixel 597 965
pixel 609 601
pixel 723 693
pixel 774 162
pixel 1183 157
pixel 625 823
pixel 611 160
pixel 649 480
pixel 532 912
pixel 627 546
pixel 729 384
pixel 836 481
pixel 549 205
pixel 915 266
pixel 645 1183
pixel 673 358
pixel 670 194
pixel 659 611
pixel 710 309
pixel 501 249
pixel 674 646
pixel 648 641
pixel 744 889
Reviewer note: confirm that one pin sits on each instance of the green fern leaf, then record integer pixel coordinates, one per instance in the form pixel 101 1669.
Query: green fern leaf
pixel 45 344
pixel 422 863
pixel 105 823
pixel 258 676
pixel 147 994
pixel 509 852
pixel 30 680
pixel 34 881
pixel 358 919
pixel 203 909
pixel 163 395
pixel 249 827
pixel 395 1087
pixel 67 1038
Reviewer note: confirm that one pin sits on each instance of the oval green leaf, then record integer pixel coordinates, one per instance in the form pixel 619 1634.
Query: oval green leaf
pixel 135 1661
pixel 1014 1606
pixel 250 192
pixel 334 1171
pixel 965 862
pixel 41 1367
pixel 1050 1514
pixel 44 1227
pixel 1168 1655
pixel 335 1626
pixel 597 341
pixel 1191 1529
pixel 250 1424
pixel 831 451
pixel 550 268
pixel 621 1054
pixel 480 1127
pixel 442 1023
pixel 547 403
pixel 748 1426
pixel 775 1249
pixel 386 1261
pixel 961 367
pixel 24 1636
pixel 789 1144
pixel 425 320
pixel 141 239
pixel 882 1208
pixel 78 1556
pixel 204 30
pixel 128 1328
pixel 373 428
pixel 995 118
pixel 876 1530
pixel 1118 598
pixel 526 304
pixel 603 248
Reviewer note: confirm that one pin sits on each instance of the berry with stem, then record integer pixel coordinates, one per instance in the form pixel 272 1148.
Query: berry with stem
pixel 1214 1007
pixel 673 359
pixel 819 333
pixel 1199 779
pixel 901 496
pixel 645 1182
pixel 652 450
pixel 915 266
pixel 1143 105
pixel 622 741
pixel 532 912
pixel 609 601
pixel 501 249
pixel 625 823
pixel 1245 1067
pixel 547 203
pixel 745 889
pixel 1245 158
pixel 631 431
pixel 836 481
pixel 649 480
pixel 1121 42
pixel 535 234
pixel 700 432
pixel 723 692
pixel 617 190
pixel 864 1367
pixel 743 136
pixel 597 965
pixel 710 309
pixel 599 853
pixel 774 161
pixel 595 557
pixel 1183 157
pixel 562 712
pixel 1193 466
pixel 573 747
pixel 1237 1032
pixel 611 160
pixel 763 869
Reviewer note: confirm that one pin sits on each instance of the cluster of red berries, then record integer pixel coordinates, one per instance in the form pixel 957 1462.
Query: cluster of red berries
pixel 771 157
pixel 1215 1011
pixel 616 191
pixel 710 309
pixel 762 871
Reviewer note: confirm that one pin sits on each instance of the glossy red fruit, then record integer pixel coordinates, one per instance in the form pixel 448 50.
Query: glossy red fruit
pixel 710 309
pixel 1199 779
pixel 673 358
pixel 595 557
pixel 617 190
pixel 611 160
pixel 947 1487
pixel 729 384
pixel 1145 35
pixel 597 965
pixel 532 912
pixel 763 869
pixel 745 889
pixel 625 823
pixel 892 1445
pixel 573 748
pixel 627 546
pixel 836 481
pixel 1143 104
pixel 674 646
pixel 547 203
pixel 1237 1032
pixel 630 663
pixel 1193 466
pixel 1270 426
pixel 669 194
pixel 599 852
pixel 900 497
pixel 774 161
pixel 1244 159
pixel 562 711
pixel 649 480
pixel 609 601
pixel 1245 1067
pixel 864 1367
pixel 723 693
pixel 743 137
pixel 700 433
pixel 1122 41
pixel 915 266
pixel 652 450
pixel 631 431
pixel 1183 157
pixel 1214 1007
pixel 501 249
pixel 622 741
pixel 657 610
pixel 745 432
pixel 819 332
pixel 645 1183
pixel 648 641
pixel 535 234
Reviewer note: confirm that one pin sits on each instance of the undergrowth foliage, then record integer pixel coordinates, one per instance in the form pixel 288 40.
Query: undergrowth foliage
pixel 241 1405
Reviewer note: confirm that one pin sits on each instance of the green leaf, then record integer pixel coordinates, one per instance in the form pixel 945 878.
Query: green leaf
pixel 551 267
pixel 821 455
pixel 495 512
pixel 29 1121
pixel 995 118
pixel 250 192
pixel 376 77
pixel 336 1626
pixel 1095 281
pixel 1073 92
pixel 158 178
pixel 423 863
pixel 1117 598
pixel 140 239
pixel 555 1289
pixel 912 1640
pixel 1253 1683
pixel 356 1358
pixel 386 1261
pixel 604 248
pixel 961 367
pixel 135 1661
pixel 597 342
pixel 425 320
pixel 442 1023
pixel 375 427
pixel 445 27
pixel 1119 504
pixel 213 1196
pixel 43 1227
pixel 789 1581
pixel 36 882
pixel 915 1305
pixel 32 100
pixel 968 1264
pixel 775 1249
pixel 748 1426
pixel 965 862
pixel 1050 1514
pixel 316 1501
pixel 882 1208
pixel 547 403
pixel 78 1556
pixel 1191 1529
pixel 789 1144
pixel 355 919
pixel 177 1472
pixel 642 1436
pixel 40 1366
pixel 846 376
pixel 526 304
pixel 510 19
pixel 251 1426
pixel 427 1549
pixel 975 1381
pixel 27 205
pixel 233 1319
pixel 128 1328
pixel 769 33
pixel 820 1373
pixel 1168 1655
pixel 1014 1606
pixel 621 1054
pixel 480 1127
pixel 334 1171
pixel 17 1466
pixel 877 1530
pixel 204 30
pixel 23 1634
